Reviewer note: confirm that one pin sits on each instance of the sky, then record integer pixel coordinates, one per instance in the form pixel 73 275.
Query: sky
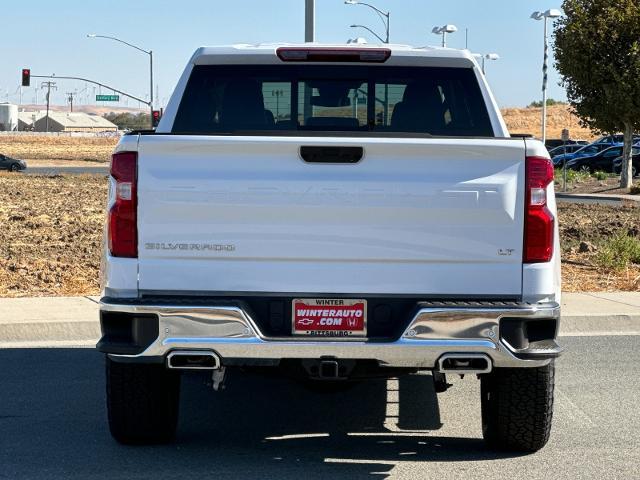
pixel 50 37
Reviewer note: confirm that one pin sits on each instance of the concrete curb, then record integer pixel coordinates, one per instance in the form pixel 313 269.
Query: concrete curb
pixel 598 325
pixel 72 331
pixel 595 198
pixel 48 320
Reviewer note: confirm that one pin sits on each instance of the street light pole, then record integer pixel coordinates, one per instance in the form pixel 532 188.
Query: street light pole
pixel 148 52
pixel 386 20
pixel 552 13
pixel 545 77
pixel 488 56
pixel 384 16
pixel 151 85
pixel 443 30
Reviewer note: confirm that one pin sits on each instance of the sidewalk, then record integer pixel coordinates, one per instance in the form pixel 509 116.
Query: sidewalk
pixel 49 321
pixel 73 321
pixel 598 198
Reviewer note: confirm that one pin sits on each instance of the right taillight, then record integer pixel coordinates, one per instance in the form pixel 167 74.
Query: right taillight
pixel 538 221
pixel 123 217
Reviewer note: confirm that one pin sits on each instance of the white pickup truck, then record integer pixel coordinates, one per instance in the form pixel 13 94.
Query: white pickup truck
pixel 337 213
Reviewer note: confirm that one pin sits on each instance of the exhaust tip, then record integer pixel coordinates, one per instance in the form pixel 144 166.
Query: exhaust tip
pixel 193 360
pixel 464 363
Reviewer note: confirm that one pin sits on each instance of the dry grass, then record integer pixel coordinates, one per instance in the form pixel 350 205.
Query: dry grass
pixel 594 226
pixel 529 120
pixel 50 147
pixel 583 277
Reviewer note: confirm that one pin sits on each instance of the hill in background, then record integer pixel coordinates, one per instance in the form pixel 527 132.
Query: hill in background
pixel 529 120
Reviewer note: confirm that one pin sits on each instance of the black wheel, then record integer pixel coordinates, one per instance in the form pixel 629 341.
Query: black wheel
pixel 517 407
pixel 142 402
pixel 14 167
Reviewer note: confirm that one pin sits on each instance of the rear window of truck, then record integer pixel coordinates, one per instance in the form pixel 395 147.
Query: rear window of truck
pixel 265 99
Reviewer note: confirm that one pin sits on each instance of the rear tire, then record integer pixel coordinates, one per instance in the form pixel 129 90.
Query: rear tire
pixel 517 407
pixel 142 402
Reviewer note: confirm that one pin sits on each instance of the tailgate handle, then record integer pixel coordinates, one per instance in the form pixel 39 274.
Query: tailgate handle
pixel 331 154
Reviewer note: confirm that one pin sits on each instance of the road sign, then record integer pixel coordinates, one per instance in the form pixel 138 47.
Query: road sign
pixel 107 98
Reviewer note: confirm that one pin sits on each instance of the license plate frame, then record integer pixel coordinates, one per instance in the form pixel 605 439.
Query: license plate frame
pixel 332 311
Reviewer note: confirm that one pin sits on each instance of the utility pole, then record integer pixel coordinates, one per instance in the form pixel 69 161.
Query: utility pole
pixel 309 37
pixel 48 85
pixel 70 96
pixel 310 21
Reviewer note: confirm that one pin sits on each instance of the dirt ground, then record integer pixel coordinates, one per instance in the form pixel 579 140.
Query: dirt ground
pixel 583 229
pixel 51 232
pixel 608 186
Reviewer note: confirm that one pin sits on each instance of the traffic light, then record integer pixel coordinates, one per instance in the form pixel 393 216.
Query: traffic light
pixel 26 77
pixel 156 118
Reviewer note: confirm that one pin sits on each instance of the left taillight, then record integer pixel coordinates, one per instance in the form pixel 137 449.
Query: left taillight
pixel 123 215
pixel 538 221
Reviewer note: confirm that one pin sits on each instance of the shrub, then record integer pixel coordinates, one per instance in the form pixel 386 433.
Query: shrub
pixel 618 252
pixel 573 176
pixel 634 190
pixel 550 102
pixel 601 175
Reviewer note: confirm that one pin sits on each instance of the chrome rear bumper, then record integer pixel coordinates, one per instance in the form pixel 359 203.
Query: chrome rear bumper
pixel 435 330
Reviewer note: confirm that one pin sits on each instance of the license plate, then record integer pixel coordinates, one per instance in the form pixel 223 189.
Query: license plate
pixel 329 317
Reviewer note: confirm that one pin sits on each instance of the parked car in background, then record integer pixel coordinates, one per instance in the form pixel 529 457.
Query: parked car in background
pixel 585 151
pixel 556 142
pixel 600 162
pixel 561 150
pixel 635 163
pixel 615 139
pixel 11 164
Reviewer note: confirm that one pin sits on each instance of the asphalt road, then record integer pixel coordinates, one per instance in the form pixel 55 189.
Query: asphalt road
pixel 53 424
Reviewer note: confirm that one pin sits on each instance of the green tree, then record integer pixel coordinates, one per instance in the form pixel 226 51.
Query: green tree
pixel 550 102
pixel 129 121
pixel 597 50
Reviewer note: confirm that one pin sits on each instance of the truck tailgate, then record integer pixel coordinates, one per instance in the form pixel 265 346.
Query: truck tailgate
pixel 246 214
